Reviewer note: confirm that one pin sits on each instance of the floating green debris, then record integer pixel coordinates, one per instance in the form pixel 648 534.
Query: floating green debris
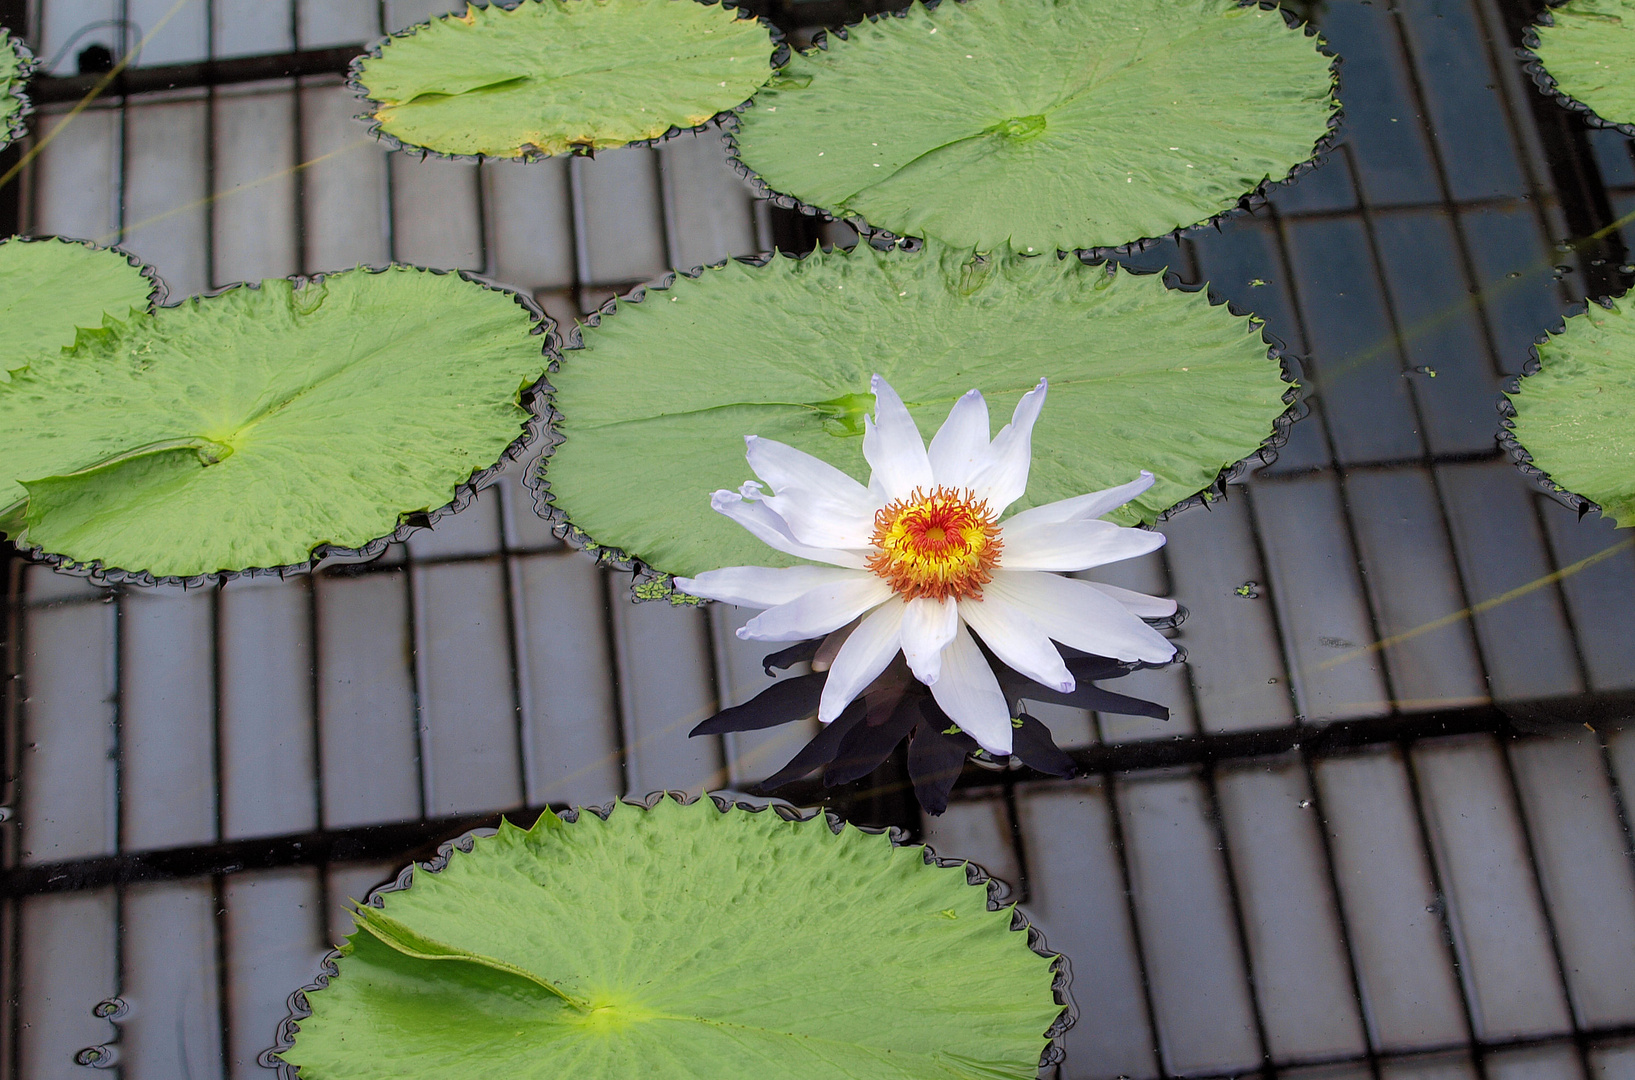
pixel 655 409
pixel 16 65
pixel 550 76
pixel 244 430
pixel 1573 416
pixel 1040 123
pixel 1587 52
pixel 682 941
pixel 51 289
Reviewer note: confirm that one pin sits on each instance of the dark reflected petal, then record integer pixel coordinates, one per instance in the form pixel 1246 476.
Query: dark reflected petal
pixel 798 653
pixel 1087 667
pixel 867 745
pixel 935 761
pixel 780 703
pixel 1090 696
pixel 1084 667
pixel 1032 743
pixel 942 724
pixel 820 751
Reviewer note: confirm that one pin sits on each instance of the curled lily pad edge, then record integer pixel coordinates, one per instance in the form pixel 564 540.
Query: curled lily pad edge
pixel 1000 895
pixel 1519 455
pixel 354 83
pixel 534 399
pixel 27 65
pixel 1533 66
pixel 158 294
pixel 649 583
pixel 1248 203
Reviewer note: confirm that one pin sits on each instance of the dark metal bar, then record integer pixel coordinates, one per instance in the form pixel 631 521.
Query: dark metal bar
pixel 381 842
pixel 1121 852
pixel 1321 740
pixel 367 843
pixel 612 593
pixel 11 648
pixel 51 89
pixel 1461 977
pixel 1530 846
pixel 1019 846
pixel 1331 870
pixel 298 127
pixel 1240 923
pixel 422 726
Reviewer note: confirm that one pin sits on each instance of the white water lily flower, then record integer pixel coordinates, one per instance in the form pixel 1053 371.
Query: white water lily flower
pixel 921 558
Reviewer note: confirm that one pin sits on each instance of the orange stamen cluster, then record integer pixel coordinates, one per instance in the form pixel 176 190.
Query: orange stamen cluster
pixel 937 545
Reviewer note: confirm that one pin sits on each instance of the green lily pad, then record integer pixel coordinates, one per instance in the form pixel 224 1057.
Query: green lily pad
pixel 654 410
pixel 49 289
pixel 682 942
pixel 549 76
pixel 245 430
pixel 1041 123
pixel 16 65
pixel 1589 54
pixel 1572 416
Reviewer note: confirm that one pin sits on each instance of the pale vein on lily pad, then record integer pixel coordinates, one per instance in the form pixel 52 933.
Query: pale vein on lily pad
pixel 548 76
pixel 655 409
pixel 1042 123
pixel 1590 53
pixel 243 430
pixel 49 289
pixel 681 942
pixel 1573 416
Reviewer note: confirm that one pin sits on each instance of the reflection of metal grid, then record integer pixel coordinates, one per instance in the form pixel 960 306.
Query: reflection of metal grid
pixel 1333 860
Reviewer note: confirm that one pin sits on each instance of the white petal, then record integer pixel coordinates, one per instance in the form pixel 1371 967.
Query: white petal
pixel 893 447
pixel 760 519
pixel 1077 614
pixel 1138 603
pixel 1003 475
pixel 928 627
pixel 823 506
pixel 960 445
pixel 813 614
pixel 1017 640
pixel 867 652
pixel 1074 545
pixel 762 586
pixel 970 695
pixel 1093 505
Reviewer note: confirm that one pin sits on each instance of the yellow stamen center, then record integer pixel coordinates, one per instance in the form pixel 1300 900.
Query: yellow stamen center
pixel 945 543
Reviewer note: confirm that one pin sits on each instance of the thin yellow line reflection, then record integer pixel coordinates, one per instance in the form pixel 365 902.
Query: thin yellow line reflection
pixel 108 238
pixel 94 93
pixel 1477 609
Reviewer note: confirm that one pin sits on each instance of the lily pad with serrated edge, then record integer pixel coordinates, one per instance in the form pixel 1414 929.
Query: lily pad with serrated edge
pixel 549 76
pixel 250 429
pixel 16 65
pixel 1043 124
pixel 1585 54
pixel 50 289
pixel 683 941
pixel 1572 415
pixel 653 411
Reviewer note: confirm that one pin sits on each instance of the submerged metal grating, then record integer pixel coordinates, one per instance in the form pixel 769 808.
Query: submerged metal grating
pixel 1337 860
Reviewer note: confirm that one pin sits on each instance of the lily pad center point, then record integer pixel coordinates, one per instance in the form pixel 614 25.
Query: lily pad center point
pixel 1020 128
pixel 610 1015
